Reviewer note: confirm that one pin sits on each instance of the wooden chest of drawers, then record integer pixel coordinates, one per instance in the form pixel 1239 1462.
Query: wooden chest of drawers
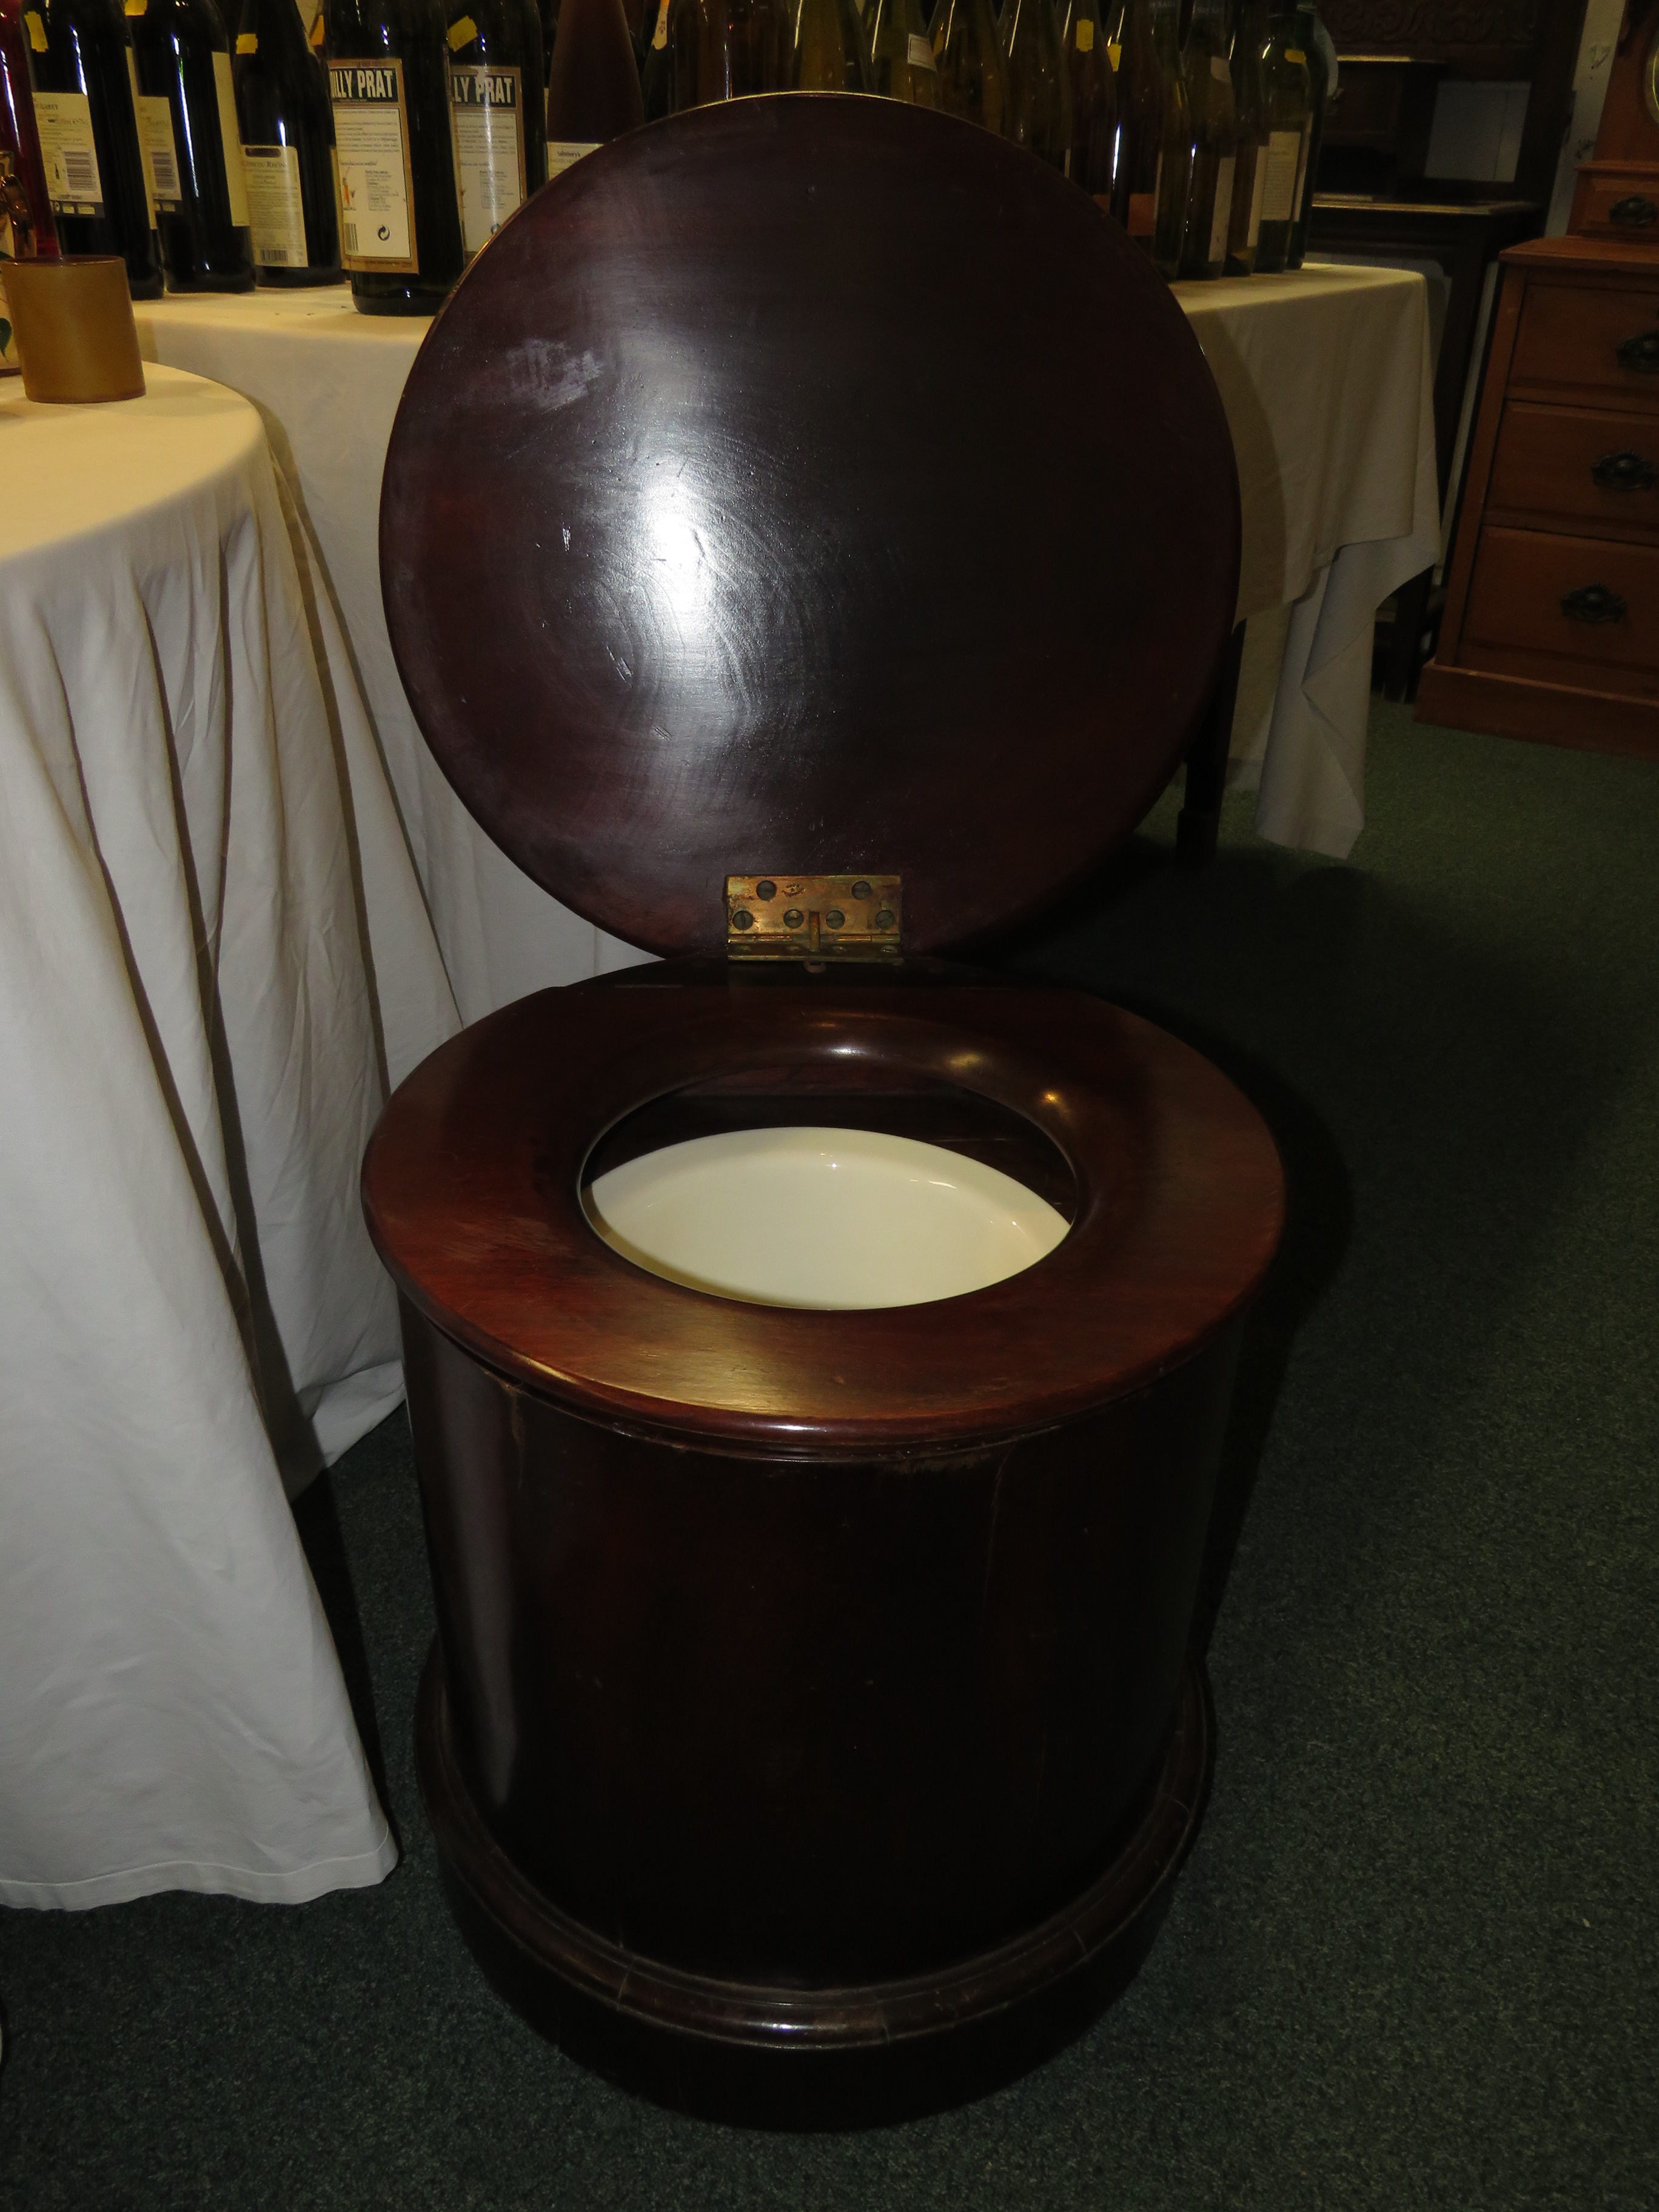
pixel 1551 622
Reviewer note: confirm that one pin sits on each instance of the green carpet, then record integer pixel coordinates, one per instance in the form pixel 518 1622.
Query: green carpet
pixel 1412 1959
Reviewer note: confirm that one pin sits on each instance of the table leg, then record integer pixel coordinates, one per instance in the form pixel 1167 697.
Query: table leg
pixel 1207 763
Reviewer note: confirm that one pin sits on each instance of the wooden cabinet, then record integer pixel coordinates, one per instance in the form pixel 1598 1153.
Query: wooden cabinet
pixel 1551 622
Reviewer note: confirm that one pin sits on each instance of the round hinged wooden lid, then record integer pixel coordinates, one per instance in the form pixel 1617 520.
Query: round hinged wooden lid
pixel 808 484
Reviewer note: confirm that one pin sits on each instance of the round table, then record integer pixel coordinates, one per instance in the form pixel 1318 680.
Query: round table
pixel 191 1062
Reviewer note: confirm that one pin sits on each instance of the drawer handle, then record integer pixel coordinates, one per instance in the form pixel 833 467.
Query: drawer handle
pixel 1624 472
pixel 1633 212
pixel 1593 603
pixel 1640 352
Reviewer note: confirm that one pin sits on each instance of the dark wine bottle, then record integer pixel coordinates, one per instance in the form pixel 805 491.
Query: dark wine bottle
pixel 1215 142
pixel 1284 85
pixel 1094 96
pixel 973 76
pixel 84 112
pixel 1135 154
pixel 1250 102
pixel 19 137
pixel 1174 165
pixel 826 48
pixel 901 64
pixel 400 214
pixel 287 148
pixel 1308 28
pixel 658 76
pixel 593 92
pixel 183 54
pixel 500 113
pixel 1039 86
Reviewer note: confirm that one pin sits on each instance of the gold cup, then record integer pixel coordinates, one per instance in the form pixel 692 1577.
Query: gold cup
pixel 74 326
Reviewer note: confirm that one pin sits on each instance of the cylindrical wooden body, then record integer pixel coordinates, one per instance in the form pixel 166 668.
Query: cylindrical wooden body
pixel 803 1720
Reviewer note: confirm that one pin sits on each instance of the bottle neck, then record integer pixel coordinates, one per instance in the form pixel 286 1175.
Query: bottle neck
pixel 1208 31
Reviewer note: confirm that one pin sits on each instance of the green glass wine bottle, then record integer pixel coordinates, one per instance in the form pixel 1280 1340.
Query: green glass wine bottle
pixel 826 48
pixel 1284 84
pixel 1094 96
pixel 182 52
pixel 499 112
pixel 1308 39
pixel 973 77
pixel 1215 142
pixel 1174 168
pixel 86 105
pixel 593 91
pixel 901 64
pixel 400 236
pixel 1135 155
pixel 287 148
pixel 1250 100
pixel 1039 83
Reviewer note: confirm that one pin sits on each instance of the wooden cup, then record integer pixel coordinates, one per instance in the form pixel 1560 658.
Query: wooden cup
pixel 74 331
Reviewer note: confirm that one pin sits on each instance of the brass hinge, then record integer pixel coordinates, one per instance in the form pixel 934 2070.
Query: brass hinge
pixel 813 917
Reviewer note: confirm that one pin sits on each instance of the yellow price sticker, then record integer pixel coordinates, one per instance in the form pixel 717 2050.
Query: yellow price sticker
pixel 1115 55
pixel 37 31
pixel 1294 54
pixel 247 42
pixel 1085 35
pixel 462 32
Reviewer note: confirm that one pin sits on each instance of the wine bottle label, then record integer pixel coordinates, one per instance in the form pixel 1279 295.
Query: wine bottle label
pixel 919 52
pixel 1219 71
pixel 277 212
pixel 371 146
pixel 231 139
pixel 138 128
pixel 660 36
pixel 1284 159
pixel 1226 169
pixel 159 153
pixel 561 152
pixel 1258 195
pixel 1085 35
pixel 1143 214
pixel 317 36
pixel 490 171
pixel 1301 175
pixel 64 121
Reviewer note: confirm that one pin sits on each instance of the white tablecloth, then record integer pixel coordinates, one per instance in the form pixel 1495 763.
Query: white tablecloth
pixel 1325 376
pixel 192 839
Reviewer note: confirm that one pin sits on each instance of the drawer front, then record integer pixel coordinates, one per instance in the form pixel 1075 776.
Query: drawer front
pixel 1617 207
pixel 1580 334
pixel 1578 464
pixel 1585 598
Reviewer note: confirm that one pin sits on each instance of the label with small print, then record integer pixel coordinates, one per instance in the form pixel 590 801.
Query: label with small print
pixel 1219 71
pixel 920 52
pixel 1301 176
pixel 1226 168
pixel 490 171
pixel 561 152
pixel 1282 158
pixel 1258 194
pixel 371 147
pixel 144 158
pixel 660 36
pixel 231 138
pixel 1085 35
pixel 64 120
pixel 159 154
pixel 274 203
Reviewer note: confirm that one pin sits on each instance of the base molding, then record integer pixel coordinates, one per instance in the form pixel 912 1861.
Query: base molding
pixel 1545 713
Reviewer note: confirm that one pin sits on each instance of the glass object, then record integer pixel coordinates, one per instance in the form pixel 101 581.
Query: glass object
pixel 182 51
pixel 826 48
pixel 287 130
pixel 1175 171
pixel 1039 85
pixel 1139 143
pixel 901 65
pixel 19 139
pixel 1308 30
pixel 1094 96
pixel 88 115
pixel 499 111
pixel 1249 104
pixel 973 77
pixel 594 87
pixel 400 218
pixel 1215 142
pixel 1284 85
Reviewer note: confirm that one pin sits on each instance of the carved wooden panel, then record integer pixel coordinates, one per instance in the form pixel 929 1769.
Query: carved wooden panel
pixel 1474 38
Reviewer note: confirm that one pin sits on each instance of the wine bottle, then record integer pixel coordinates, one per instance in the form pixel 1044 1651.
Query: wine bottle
pixel 1138 79
pixel 19 137
pixel 84 112
pixel 1174 167
pixel 826 49
pixel 1215 142
pixel 400 216
pixel 593 92
pixel 499 112
pixel 973 77
pixel 287 148
pixel 1308 29
pixel 1250 102
pixel 182 51
pixel 901 64
pixel 1039 84
pixel 659 78
pixel 547 13
pixel 1284 86
pixel 1094 96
